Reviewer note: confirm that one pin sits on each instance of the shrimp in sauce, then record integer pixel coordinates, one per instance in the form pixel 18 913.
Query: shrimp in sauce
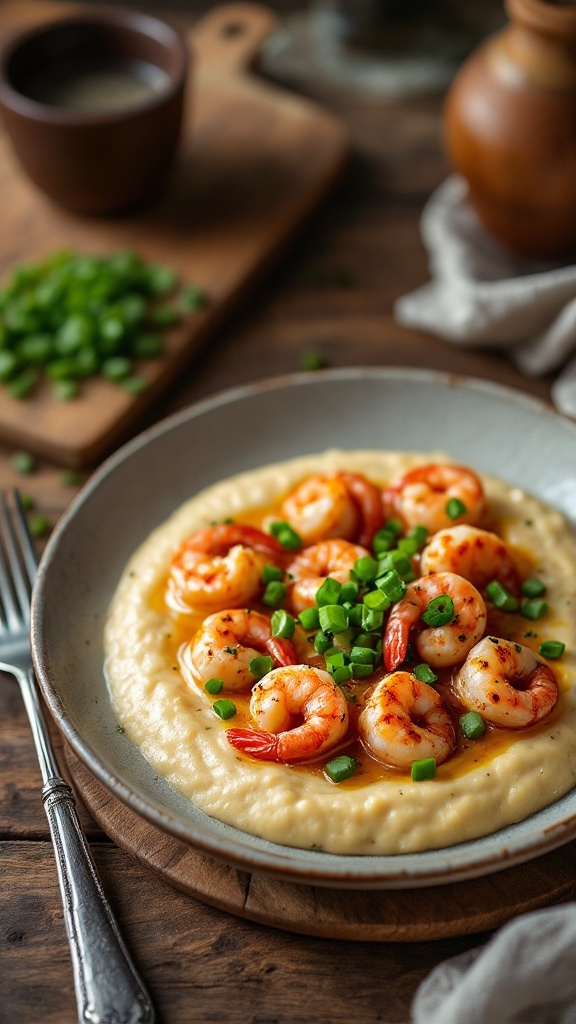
pixel 421 496
pixel 344 505
pixel 220 567
pixel 439 645
pixel 312 565
pixel 506 684
pixel 478 555
pixel 300 712
pixel 405 720
pixel 227 642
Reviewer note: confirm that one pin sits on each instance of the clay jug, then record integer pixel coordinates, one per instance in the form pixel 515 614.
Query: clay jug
pixel 510 128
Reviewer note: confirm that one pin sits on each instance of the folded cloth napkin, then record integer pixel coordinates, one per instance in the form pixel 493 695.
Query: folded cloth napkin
pixel 480 294
pixel 525 975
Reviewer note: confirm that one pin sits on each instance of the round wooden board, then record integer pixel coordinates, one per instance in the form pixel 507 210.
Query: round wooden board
pixel 409 915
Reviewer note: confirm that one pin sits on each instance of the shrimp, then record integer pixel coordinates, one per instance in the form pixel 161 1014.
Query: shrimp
pixel 220 566
pixel 421 495
pixel 477 555
pixel 441 645
pixel 225 645
pixel 298 693
pixel 310 567
pixel 405 720
pixel 506 684
pixel 344 505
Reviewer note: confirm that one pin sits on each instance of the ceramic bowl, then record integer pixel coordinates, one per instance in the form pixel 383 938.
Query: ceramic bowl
pixel 111 152
pixel 492 428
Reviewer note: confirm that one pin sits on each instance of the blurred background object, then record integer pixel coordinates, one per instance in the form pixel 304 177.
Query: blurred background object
pixel 511 128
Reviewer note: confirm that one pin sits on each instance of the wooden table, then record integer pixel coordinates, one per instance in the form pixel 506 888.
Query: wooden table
pixel 333 293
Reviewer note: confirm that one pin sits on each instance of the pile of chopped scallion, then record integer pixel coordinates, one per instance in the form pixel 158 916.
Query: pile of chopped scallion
pixel 74 316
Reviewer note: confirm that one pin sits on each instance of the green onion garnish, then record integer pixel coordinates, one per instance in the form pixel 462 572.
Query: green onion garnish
pixel 23 462
pixel 271 572
pixel 377 600
pixel 552 649
pixel 440 611
pixel 348 593
pixel 329 592
pixel 310 618
pixel 423 769
pixel 274 593
pixel 282 624
pixel 455 508
pixel 322 642
pixel 533 587
pixel 224 708
pixel 214 685
pixel 420 535
pixel 383 540
pixel 533 608
pixel 472 725
pixel 392 585
pixel 261 666
pixel 501 598
pixel 333 618
pixel 286 535
pixel 424 673
pixel 372 619
pixel 341 768
pixel 366 569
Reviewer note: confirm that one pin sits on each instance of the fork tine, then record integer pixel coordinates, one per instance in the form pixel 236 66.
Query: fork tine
pixel 18 566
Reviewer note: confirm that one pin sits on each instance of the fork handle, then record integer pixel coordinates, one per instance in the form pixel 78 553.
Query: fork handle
pixel 108 989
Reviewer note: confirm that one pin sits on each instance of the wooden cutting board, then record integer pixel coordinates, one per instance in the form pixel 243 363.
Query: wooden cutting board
pixel 409 915
pixel 254 163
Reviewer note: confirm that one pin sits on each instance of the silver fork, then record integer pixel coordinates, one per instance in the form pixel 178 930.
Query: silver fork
pixel 108 989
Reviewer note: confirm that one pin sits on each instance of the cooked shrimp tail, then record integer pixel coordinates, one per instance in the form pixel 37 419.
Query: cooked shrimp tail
pixel 263 746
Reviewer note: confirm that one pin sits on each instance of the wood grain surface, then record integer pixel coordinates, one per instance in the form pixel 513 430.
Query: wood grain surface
pixel 409 915
pixel 333 293
pixel 254 162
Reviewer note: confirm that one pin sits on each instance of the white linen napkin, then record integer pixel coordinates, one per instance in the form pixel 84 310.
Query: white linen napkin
pixel 480 294
pixel 526 974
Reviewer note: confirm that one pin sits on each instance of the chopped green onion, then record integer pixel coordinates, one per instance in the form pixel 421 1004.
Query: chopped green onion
pixel 282 624
pixel 310 618
pixel 274 593
pixel 363 655
pixel 224 708
pixel 329 592
pixel 420 535
pixel 423 769
pixel 271 572
pixel 348 593
pixel 472 725
pixel 23 462
pixel 64 390
pixel 134 385
pixel 40 526
pixel 440 611
pixel 360 671
pixel 366 569
pixel 533 608
pixel 455 508
pixel 333 618
pixel 533 587
pixel 371 619
pixel 394 525
pixel 392 585
pixel 424 673
pixel 377 600
pixel 193 298
pixel 286 535
pixel 261 666
pixel 214 685
pixel 322 642
pixel 383 540
pixel 312 360
pixel 341 674
pixel 501 598
pixel 341 768
pixel 408 546
pixel 552 649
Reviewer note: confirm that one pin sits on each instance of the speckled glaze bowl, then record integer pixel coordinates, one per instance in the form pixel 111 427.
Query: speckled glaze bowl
pixel 102 161
pixel 494 429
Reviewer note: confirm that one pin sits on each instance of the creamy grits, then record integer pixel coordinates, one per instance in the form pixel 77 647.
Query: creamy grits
pixel 490 782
